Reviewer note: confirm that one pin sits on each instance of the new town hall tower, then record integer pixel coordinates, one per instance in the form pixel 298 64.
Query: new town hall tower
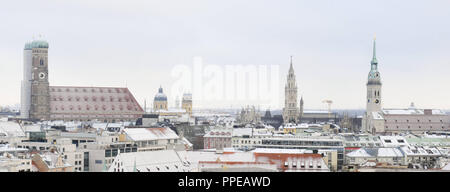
pixel 290 111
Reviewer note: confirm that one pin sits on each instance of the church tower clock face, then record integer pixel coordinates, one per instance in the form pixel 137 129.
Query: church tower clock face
pixel 41 75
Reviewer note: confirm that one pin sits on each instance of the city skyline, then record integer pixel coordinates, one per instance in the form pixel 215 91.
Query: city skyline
pixel 328 65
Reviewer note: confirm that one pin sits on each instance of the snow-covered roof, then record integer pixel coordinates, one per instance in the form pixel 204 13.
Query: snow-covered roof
pixel 377 115
pixel 187 142
pixel 315 111
pixel 446 167
pixel 393 141
pixel 359 153
pixel 411 111
pixel 150 161
pixel 92 100
pixel 11 129
pixel 145 134
pixel 390 152
pixel 171 110
pixel 376 152
pixel 421 151
pixel 32 128
pixel 8 148
pixel 275 150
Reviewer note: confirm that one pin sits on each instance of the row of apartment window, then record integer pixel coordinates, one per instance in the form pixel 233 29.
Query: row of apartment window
pixel 409 127
pixel 302 165
pixel 362 144
pixel 301 143
pixel 34 147
pixel 418 120
pixel 114 152
pixel 219 139
pixel 246 142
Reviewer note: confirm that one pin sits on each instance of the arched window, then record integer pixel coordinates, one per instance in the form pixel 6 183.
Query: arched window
pixel 41 62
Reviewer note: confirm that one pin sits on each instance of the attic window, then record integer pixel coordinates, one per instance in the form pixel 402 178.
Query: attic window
pixel 400 141
pixel 387 141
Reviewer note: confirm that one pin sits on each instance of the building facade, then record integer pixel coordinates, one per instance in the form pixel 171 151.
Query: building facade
pixel 415 120
pixel 217 139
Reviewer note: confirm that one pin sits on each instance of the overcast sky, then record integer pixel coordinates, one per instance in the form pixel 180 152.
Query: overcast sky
pixel 138 44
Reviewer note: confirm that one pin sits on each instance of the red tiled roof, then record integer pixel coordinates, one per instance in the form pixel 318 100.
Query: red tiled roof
pixel 69 100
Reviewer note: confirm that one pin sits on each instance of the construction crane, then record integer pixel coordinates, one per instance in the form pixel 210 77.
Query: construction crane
pixel 328 102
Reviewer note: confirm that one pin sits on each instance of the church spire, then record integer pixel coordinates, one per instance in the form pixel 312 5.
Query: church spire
pixel 291 68
pixel 374 58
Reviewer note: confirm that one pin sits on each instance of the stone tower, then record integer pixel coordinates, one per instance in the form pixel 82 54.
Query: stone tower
pixel 290 110
pixel 25 101
pixel 186 103
pixel 373 100
pixel 40 96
